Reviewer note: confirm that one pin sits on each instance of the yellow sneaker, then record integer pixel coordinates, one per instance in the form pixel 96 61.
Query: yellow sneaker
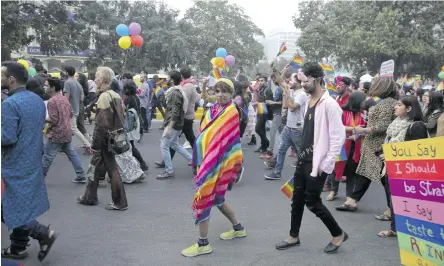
pixel 233 234
pixel 195 250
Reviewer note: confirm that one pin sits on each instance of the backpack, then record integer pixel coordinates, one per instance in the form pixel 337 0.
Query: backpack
pixel 130 122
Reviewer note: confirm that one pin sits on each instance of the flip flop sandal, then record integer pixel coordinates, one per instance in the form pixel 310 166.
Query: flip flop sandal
pixel 7 254
pixel 387 233
pixel 332 196
pixel 46 244
pixel 112 207
pixel 346 208
pixel 383 217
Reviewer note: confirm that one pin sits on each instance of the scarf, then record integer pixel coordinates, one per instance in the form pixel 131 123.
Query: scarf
pixel 217 154
pixel 185 99
pixel 397 129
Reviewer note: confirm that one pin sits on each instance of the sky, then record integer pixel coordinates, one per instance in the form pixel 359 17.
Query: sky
pixel 267 15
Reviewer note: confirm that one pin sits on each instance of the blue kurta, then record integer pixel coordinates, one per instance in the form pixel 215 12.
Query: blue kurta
pixel 25 197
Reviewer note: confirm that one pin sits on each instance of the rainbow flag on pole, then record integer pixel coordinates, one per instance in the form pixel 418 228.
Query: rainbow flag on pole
pixel 331 89
pixel 297 61
pixel 328 69
pixel 158 91
pixel 283 48
pixel 215 73
pixel 342 156
pixel 262 109
pixel 288 188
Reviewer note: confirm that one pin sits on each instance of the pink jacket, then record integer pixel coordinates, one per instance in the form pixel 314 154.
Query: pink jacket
pixel 329 134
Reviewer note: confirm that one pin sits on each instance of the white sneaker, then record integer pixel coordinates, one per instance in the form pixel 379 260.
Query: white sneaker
pixel 187 145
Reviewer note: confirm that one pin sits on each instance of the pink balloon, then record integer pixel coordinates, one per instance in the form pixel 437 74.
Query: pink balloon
pixel 29 63
pixel 230 60
pixel 134 29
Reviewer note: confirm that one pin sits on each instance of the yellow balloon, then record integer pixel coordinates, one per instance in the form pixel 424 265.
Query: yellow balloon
pixel 213 61
pixel 125 42
pixel 24 63
pixel 136 80
pixel 220 62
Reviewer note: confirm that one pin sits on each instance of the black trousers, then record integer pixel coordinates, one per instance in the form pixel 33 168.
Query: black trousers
pixel 20 236
pixel 261 131
pixel 136 154
pixel 362 184
pixel 243 126
pixel 81 119
pixel 307 192
pixel 144 118
pixel 188 131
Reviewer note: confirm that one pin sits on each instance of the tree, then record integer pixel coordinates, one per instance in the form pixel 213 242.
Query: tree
pixel 360 35
pixel 220 24
pixel 54 27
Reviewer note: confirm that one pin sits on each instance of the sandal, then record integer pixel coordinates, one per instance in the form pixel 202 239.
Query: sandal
pixel 346 208
pixel 83 201
pixel 112 207
pixel 332 196
pixel 7 254
pixel 387 233
pixel 46 243
pixel 383 217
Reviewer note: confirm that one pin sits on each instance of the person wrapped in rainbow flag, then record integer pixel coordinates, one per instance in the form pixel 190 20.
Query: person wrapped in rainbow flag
pixel 217 154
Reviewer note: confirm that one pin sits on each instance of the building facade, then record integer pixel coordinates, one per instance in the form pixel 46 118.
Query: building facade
pixel 273 40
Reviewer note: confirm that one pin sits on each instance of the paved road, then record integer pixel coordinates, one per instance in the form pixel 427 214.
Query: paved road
pixel 159 222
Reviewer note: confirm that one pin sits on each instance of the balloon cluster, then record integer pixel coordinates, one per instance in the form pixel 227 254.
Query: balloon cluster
pixel 28 65
pixel 223 59
pixel 129 35
pixel 441 74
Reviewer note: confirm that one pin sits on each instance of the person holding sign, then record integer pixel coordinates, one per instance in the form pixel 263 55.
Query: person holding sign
pixel 323 135
pixel 379 118
pixel 407 126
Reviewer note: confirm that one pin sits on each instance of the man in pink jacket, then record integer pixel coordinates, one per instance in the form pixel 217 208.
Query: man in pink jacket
pixel 323 135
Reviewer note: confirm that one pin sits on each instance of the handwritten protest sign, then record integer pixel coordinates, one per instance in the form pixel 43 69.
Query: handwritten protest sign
pixel 387 68
pixel 416 177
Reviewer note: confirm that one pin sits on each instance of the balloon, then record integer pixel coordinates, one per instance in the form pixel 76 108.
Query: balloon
pixel 24 63
pixel 230 60
pixel 32 72
pixel 134 29
pixel 221 52
pixel 441 75
pixel 125 42
pixel 219 62
pixel 137 40
pixel 213 61
pixel 29 63
pixel 122 30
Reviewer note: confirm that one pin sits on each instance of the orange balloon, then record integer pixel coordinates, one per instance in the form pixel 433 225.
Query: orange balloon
pixel 137 40
pixel 220 62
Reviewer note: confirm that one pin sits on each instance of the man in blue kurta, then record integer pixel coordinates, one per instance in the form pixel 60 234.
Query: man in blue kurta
pixel 25 197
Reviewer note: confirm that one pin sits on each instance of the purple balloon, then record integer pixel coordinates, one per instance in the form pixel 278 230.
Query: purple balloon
pixel 230 60
pixel 29 63
pixel 134 29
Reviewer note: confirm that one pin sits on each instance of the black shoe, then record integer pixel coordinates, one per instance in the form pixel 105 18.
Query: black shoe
pixel 160 164
pixel 252 141
pixel 285 245
pixel 260 150
pixel 79 180
pixel 144 167
pixel 332 248
pixel 272 176
pixel 146 131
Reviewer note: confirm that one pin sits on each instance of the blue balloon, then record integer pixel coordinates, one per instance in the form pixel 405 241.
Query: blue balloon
pixel 221 52
pixel 122 30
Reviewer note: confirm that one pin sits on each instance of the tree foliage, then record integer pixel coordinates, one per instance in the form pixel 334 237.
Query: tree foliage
pixel 169 42
pixel 360 35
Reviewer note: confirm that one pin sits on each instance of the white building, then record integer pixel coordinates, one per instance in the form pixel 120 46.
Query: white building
pixel 273 40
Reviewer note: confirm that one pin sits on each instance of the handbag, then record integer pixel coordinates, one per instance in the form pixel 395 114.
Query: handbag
pixel 118 139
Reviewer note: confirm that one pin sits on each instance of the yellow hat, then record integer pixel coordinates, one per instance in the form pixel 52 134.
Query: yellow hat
pixel 227 81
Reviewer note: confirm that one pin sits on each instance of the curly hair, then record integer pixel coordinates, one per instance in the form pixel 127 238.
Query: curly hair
pixel 313 69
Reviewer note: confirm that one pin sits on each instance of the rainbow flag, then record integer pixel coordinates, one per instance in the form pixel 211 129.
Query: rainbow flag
pixel 342 156
pixel 297 61
pixel 262 109
pixel 282 49
pixel 288 188
pixel 158 91
pixel 215 73
pixel 331 89
pixel 328 69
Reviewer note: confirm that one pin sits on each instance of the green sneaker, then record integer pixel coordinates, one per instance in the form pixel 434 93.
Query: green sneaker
pixel 195 250
pixel 233 234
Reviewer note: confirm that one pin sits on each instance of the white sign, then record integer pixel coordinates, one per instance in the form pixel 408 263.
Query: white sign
pixel 387 68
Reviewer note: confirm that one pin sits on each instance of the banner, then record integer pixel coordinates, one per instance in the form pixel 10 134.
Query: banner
pixel 387 68
pixel 416 176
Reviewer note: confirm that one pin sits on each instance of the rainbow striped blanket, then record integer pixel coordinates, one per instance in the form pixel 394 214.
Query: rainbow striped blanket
pixel 217 154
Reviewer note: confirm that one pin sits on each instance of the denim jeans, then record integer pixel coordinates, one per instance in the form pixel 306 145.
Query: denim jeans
pixel 290 137
pixel 275 125
pixel 172 142
pixel 50 152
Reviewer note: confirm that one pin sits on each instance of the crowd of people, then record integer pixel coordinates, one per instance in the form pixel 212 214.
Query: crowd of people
pixel 41 114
